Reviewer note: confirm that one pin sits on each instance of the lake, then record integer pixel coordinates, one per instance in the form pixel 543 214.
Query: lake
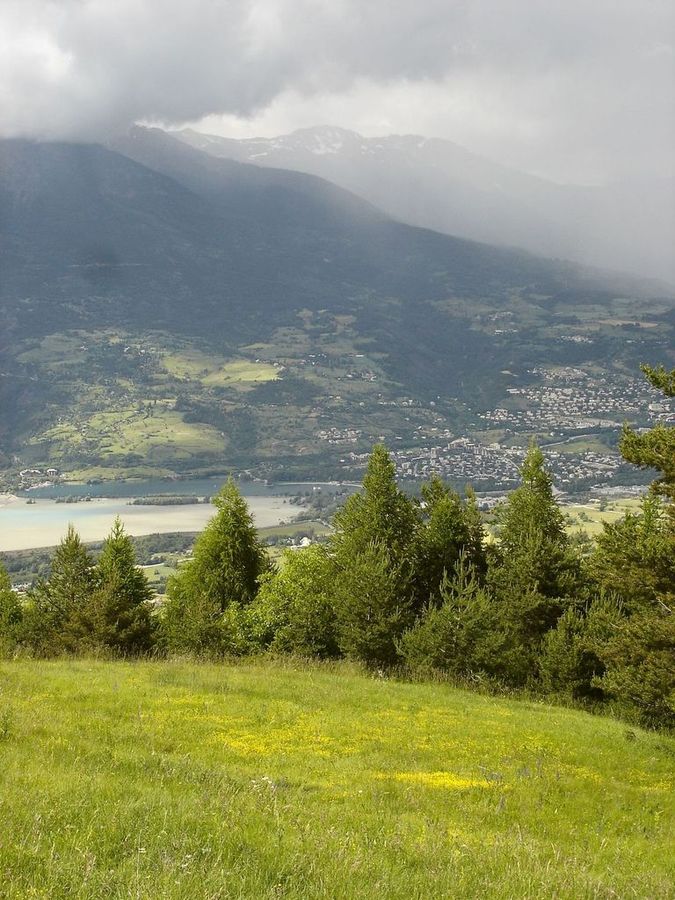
pixel 43 523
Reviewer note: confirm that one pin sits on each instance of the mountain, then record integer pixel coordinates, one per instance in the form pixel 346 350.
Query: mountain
pixel 165 308
pixel 437 184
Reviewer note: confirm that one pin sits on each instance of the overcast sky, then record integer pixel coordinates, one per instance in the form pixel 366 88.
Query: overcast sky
pixel 578 90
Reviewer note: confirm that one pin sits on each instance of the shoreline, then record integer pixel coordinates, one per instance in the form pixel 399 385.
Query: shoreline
pixel 25 526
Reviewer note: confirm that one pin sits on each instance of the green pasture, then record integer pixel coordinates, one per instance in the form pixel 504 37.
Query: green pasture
pixel 266 780
pixel 214 371
pixel 158 433
pixel 54 351
pixel 589 517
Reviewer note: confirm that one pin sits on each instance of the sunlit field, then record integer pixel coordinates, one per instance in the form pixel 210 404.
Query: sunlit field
pixel 174 779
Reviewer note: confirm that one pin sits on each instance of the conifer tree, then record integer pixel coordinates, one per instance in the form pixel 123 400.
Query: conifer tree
pixel 656 447
pixel 375 528
pixel 381 512
pixel 53 614
pixel 534 572
pixel 226 566
pixel 449 529
pixel 456 635
pixel 534 552
pixel 11 615
pixel 372 606
pixel 636 556
pixel 634 559
pixel 118 616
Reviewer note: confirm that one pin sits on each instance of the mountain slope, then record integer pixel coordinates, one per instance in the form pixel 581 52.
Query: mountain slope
pixel 437 184
pixel 161 306
pixel 276 777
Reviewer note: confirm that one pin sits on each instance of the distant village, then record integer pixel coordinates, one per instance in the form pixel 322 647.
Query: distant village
pixel 567 410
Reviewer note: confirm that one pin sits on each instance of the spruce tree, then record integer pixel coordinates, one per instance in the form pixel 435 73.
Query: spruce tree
pixel 449 529
pixel 118 616
pixel 635 557
pixel 55 608
pixel 457 634
pixel 655 448
pixel 381 512
pixel 11 615
pixel 534 552
pixel 372 606
pixel 534 572
pixel 375 528
pixel 227 563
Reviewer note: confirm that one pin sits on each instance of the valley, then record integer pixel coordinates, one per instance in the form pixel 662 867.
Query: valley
pixel 178 314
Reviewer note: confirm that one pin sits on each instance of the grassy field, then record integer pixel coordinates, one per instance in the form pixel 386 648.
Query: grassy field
pixel 269 780
pixel 134 430
pixel 589 517
pixel 215 371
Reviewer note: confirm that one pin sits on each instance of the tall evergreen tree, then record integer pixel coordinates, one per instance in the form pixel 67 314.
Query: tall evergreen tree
pixel 449 529
pixel 534 552
pixel 374 528
pixel 635 556
pixel 118 616
pixel 225 568
pixel 655 448
pixel 55 607
pixel 11 615
pixel 381 512
pixel 534 572
pixel 372 605
pixel 634 559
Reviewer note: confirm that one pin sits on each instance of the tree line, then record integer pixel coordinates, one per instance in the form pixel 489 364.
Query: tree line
pixel 415 583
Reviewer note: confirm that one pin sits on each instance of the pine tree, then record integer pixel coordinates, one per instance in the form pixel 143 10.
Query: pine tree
pixel 640 667
pixel 534 549
pixel 56 605
pixel 570 662
pixel 449 529
pixel 225 568
pixel 11 615
pixel 372 606
pixel 456 635
pixel 375 528
pixel 381 512
pixel 534 572
pixel 634 559
pixel 655 448
pixel 118 616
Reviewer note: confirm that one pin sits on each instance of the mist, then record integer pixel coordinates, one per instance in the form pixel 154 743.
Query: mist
pixel 575 93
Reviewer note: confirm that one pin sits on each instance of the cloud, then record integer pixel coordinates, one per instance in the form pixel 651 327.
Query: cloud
pixel 573 87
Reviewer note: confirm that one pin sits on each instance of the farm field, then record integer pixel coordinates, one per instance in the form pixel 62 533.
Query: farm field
pixel 271 779
pixel 589 517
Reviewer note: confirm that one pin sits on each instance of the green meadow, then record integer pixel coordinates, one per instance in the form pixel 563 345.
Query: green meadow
pixel 214 371
pixel 270 779
pixel 590 517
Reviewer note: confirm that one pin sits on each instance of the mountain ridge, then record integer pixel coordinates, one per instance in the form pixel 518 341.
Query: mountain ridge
pixel 434 183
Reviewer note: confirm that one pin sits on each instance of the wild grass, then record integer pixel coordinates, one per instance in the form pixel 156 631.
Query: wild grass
pixel 264 779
